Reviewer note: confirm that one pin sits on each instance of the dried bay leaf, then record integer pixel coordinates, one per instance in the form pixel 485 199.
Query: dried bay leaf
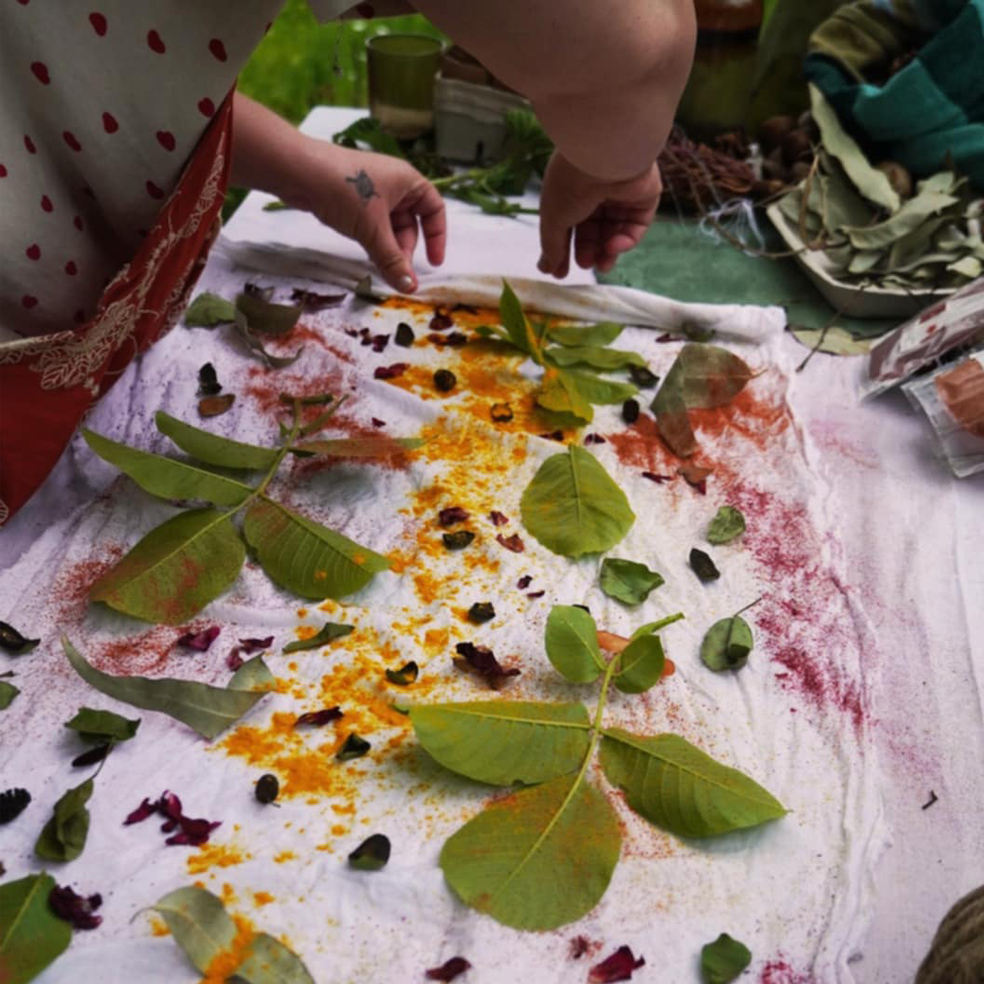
pixel 253 342
pixel 573 507
pixel 727 644
pixel 199 923
pixel 596 356
pixel 63 837
pixel 571 641
pixel 14 643
pixel 213 449
pixel 327 633
pixel 603 333
pixel 31 936
pixel 676 786
pixel 268 961
pixel 176 569
pixel 267 318
pixel 504 742
pixel 208 310
pixel 253 675
pixel 165 477
pixel 305 557
pixel 102 726
pixel 627 581
pixel 206 709
pixel 513 860
pixel 724 960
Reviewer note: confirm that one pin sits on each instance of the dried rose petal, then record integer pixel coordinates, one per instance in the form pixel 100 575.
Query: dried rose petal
pixel 170 805
pixel 318 719
pixel 524 581
pixel 250 646
pixel 455 339
pixel 234 660
pixel 79 910
pixel 498 519
pixel 144 810
pixel 617 967
pixel 481 661
pixel 557 435
pixel 311 301
pixel 595 439
pixel 199 641
pixel 579 947
pixel 536 594
pixel 452 515
pixel 351 332
pixel 667 337
pixel 390 372
pixel 193 832
pixel 441 321
pixel 376 422
pixel 658 479
pixel 379 342
pixel 449 970
pixel 513 543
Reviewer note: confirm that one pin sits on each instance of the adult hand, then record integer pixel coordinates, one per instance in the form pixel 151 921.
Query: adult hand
pixel 604 218
pixel 380 201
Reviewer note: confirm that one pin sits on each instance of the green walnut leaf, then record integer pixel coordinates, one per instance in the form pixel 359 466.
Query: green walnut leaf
pixel 7 694
pixel 166 477
pixel 640 665
pixel 573 507
pixel 504 742
pixel 727 644
pixel 537 859
pixel 31 935
pixel 176 569
pixel 596 356
pixel 206 709
pixel 723 960
pixel 213 449
pixel 102 726
pixel 571 640
pixel 727 524
pixel 678 787
pixel 603 333
pixel 328 633
pixel 305 557
pixel 627 580
pixel 63 836
pixel 208 310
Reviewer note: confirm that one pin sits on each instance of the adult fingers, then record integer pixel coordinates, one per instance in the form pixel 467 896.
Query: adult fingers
pixel 379 240
pixel 429 208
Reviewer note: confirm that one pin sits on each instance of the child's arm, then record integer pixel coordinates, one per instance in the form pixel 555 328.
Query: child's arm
pixel 381 209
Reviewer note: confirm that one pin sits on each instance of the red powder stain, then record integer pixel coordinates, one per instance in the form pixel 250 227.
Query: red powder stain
pixel 70 592
pixel 779 972
pixel 804 615
pixel 640 446
pixel 145 652
pixel 757 420
pixel 265 388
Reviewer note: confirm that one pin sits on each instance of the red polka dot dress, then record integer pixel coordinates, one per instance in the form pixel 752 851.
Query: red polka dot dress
pixel 103 103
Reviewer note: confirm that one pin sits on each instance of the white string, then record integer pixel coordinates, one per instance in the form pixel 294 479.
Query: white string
pixel 737 218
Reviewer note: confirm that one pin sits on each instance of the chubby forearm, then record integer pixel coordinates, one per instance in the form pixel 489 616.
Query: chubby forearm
pixel 604 77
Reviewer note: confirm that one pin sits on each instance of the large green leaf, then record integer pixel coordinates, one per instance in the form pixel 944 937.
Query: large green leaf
pixel 539 858
pixel 724 960
pixel 268 961
pixel 176 569
pixel 571 640
pixel 596 356
pixel 627 580
pixel 166 477
pixel 199 924
pixel 573 507
pixel 305 557
pixel 31 935
pixel 597 390
pixel 559 393
pixel 208 310
pixel 603 333
pixel 517 325
pixel 63 837
pixel 206 709
pixel 213 449
pixel 641 665
pixel 678 787
pixel 503 742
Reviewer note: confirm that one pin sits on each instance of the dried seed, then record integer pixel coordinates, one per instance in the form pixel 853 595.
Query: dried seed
pixel 445 380
pixel 372 854
pixel 404 335
pixel 630 411
pixel 405 675
pixel 13 802
pixel 458 540
pixel 501 413
pixel 267 788
pixel 354 747
pixel 481 611
pixel 703 566
pixel 208 382
pixel 92 755
pixel 643 376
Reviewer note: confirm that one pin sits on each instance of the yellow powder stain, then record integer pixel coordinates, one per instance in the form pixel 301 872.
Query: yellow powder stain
pixel 343 809
pixel 328 605
pixel 225 964
pixel 302 613
pixel 437 639
pixel 339 829
pixel 158 927
pixel 228 894
pixel 284 856
pixel 305 631
pixel 215 856
pixel 262 898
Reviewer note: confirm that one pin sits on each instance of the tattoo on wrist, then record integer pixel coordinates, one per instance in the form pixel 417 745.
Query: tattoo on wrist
pixel 364 186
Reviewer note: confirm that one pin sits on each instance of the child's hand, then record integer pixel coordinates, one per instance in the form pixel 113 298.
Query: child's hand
pixel 375 199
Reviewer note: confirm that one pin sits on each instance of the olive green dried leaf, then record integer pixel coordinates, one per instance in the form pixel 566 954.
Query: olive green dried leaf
pixel 31 936
pixel 64 835
pixel 724 960
pixel 327 633
pixel 102 726
pixel 627 580
pixel 208 310
pixel 727 524
pixel 7 694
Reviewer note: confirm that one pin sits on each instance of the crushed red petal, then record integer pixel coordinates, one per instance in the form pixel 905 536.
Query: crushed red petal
pixel 658 479
pixel 536 594
pixel 557 435
pixel 169 805
pixel 379 342
pixel 144 810
pixel 513 543
pixel 448 970
pixel 351 332
pixel 255 645
pixel 524 581
pixel 199 641
pixel 667 337
pixel 77 909
pixel 376 422
pixel 481 661
pixel 579 947
pixel 193 832
pixel 390 372
pixel 498 519
pixel 234 660
pixel 320 718
pixel 441 321
pixel 595 439
pixel 700 486
pixel 452 515
pixel 617 967
pixel 311 301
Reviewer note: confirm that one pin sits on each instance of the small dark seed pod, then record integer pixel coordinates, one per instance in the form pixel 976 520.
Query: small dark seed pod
pixel 481 611
pixel 501 413
pixel 404 335
pixel 643 376
pixel 267 788
pixel 445 380
pixel 630 411
pixel 457 540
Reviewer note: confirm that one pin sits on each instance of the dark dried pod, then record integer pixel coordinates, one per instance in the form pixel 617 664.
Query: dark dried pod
pixel 405 675
pixel 481 611
pixel 92 756
pixel 372 854
pixel 13 802
pixel 630 411
pixel 796 146
pixel 773 165
pixel 445 380
pixel 354 747
pixel 501 413
pixel 643 376
pixel 703 566
pixel 457 540
pixel 267 788
pixel 11 641
pixel 208 382
pixel 404 335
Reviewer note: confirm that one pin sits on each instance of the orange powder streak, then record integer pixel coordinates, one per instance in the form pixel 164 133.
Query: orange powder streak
pixel 225 964
pixel 215 856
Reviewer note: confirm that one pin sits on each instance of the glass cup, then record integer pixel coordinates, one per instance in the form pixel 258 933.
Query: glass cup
pixel 402 68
